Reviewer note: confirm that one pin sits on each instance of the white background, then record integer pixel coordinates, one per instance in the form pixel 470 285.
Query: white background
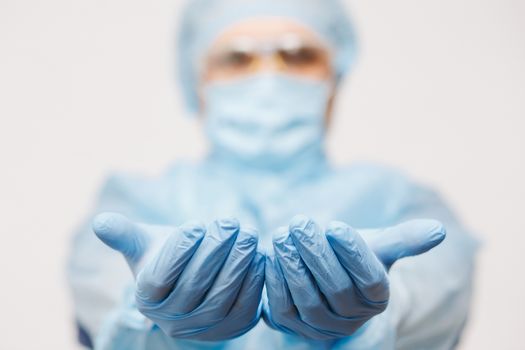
pixel 87 87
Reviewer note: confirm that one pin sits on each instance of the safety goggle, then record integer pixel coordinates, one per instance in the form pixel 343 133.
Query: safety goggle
pixel 291 54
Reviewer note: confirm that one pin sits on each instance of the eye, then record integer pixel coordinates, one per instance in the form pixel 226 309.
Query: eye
pixel 302 56
pixel 235 59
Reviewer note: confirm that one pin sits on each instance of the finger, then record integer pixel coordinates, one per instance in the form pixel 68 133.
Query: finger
pixel 119 233
pixel 317 254
pixel 281 313
pixel 201 270
pixel 367 272
pixel 279 299
pixel 157 278
pixel 246 311
pixel 407 239
pixel 306 296
pixel 226 286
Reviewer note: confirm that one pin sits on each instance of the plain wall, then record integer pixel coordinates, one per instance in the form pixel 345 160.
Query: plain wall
pixel 87 87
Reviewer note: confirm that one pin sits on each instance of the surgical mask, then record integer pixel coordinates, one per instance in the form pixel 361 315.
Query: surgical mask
pixel 266 120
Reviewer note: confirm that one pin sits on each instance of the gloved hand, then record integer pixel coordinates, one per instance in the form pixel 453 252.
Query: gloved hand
pixel 326 285
pixel 193 282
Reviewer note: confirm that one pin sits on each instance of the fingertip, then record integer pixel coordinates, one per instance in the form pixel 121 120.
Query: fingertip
pixel 222 231
pixel 248 237
pixel 194 230
pixel 228 224
pixel 299 222
pixel 338 227
pixel 409 238
pixel 337 231
pixel 108 226
pixel 428 230
pixel 439 232
pixel 251 231
pixel 227 228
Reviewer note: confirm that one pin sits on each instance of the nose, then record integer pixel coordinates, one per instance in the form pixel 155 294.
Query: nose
pixel 270 63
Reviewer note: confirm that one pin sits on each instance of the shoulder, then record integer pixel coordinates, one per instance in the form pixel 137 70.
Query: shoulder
pixel 136 184
pixel 379 192
pixel 145 197
pixel 129 185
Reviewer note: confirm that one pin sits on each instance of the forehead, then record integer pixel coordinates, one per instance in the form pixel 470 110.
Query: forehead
pixel 266 28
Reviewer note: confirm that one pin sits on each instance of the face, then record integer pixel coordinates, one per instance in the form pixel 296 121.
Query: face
pixel 276 45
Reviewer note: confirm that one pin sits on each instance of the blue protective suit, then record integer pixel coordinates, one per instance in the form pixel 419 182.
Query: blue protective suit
pixel 429 293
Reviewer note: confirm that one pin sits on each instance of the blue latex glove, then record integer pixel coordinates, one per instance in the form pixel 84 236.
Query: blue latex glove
pixel 193 282
pixel 326 285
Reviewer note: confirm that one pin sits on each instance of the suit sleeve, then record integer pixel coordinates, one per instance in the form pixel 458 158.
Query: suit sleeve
pixel 431 293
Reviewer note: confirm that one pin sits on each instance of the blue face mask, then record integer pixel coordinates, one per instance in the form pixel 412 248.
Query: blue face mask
pixel 266 120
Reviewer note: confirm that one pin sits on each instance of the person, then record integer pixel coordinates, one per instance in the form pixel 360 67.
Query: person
pixel 265 227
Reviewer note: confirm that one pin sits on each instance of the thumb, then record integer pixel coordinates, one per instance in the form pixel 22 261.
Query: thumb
pixel 121 234
pixel 409 238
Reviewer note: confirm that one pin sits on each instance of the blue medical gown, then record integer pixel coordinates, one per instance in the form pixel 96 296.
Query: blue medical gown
pixel 430 293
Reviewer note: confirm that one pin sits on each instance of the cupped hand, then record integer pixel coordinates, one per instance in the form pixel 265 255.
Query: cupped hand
pixel 327 284
pixel 193 281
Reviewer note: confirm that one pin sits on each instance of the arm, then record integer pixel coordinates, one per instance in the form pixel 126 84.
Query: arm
pixel 107 299
pixel 430 293
pixel 97 275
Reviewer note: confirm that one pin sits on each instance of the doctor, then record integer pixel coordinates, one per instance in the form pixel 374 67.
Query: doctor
pixel 264 244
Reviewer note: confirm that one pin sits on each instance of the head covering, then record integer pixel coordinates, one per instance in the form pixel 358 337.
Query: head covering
pixel 203 20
